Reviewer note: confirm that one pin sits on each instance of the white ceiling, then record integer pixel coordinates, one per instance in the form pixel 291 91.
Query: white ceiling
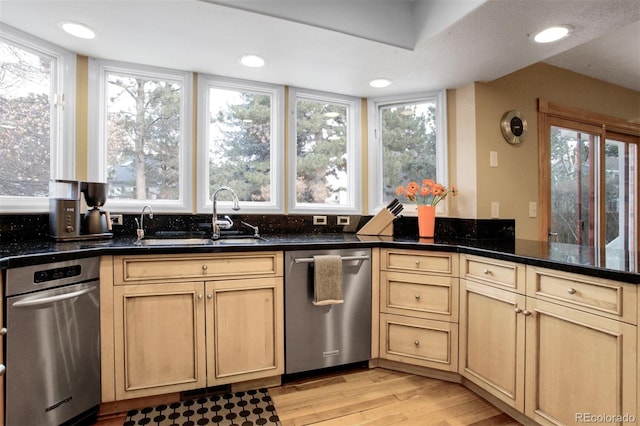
pixel 340 45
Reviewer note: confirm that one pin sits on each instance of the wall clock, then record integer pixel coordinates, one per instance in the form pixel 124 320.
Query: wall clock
pixel 514 127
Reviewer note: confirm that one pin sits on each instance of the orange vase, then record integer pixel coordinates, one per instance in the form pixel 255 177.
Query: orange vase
pixel 426 221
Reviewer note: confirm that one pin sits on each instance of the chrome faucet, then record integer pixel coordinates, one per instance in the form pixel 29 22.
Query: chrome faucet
pixel 226 223
pixel 140 230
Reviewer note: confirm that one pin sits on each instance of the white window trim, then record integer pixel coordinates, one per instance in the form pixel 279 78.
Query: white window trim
pixel 204 202
pixel 354 152
pixel 376 201
pixel 97 149
pixel 63 117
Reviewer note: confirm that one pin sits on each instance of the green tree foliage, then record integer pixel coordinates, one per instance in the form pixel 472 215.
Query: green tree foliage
pixel 409 145
pixel 241 156
pixel 25 121
pixel 321 146
pixel 144 136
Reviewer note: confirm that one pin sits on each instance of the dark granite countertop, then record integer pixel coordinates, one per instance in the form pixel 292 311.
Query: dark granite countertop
pixel 566 257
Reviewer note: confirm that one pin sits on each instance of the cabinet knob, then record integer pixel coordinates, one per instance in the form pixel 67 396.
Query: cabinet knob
pixel 3 331
pixel 417 263
pixel 526 313
pixel 518 310
pixel 417 297
pixel 416 342
pixel 487 272
pixel 205 267
pixel 209 296
pixel 3 369
pixel 571 290
pixel 200 297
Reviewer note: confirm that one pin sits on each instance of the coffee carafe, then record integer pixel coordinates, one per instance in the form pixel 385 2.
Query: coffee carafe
pixel 96 222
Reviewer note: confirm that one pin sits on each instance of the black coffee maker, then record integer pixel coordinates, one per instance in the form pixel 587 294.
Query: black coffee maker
pixel 96 222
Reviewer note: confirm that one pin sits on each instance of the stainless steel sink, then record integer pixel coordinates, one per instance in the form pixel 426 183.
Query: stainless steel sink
pixel 174 242
pixel 199 241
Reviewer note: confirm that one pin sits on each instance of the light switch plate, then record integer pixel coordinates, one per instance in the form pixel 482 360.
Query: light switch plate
pixel 493 159
pixel 533 209
pixel 495 209
pixel 343 220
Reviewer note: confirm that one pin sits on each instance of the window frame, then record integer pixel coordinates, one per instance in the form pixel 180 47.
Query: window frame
pixel 96 151
pixel 276 92
pixel 375 171
pixel 63 116
pixel 354 152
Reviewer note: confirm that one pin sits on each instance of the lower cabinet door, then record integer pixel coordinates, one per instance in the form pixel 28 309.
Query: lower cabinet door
pixel 159 342
pixel 492 340
pixel 417 341
pixel 581 368
pixel 247 325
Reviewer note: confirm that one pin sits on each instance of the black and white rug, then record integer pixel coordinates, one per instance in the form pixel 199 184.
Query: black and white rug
pixel 248 408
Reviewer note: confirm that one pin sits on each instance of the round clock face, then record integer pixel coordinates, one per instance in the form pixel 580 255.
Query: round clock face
pixel 514 127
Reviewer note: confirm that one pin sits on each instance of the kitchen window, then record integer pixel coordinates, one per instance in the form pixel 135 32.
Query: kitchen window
pixel 407 142
pixel 240 144
pixel 37 120
pixel 140 135
pixel 324 153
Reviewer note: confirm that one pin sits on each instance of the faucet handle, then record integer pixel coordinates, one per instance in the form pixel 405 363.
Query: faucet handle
pixel 256 231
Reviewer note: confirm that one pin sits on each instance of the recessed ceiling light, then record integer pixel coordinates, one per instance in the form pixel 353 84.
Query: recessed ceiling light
pixel 253 61
pixel 77 30
pixel 380 83
pixel 552 34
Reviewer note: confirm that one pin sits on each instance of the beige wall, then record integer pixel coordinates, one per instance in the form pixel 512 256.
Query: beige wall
pixel 514 183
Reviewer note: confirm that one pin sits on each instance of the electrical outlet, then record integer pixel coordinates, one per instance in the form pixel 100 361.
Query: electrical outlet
pixel 495 209
pixel 319 220
pixel 343 220
pixel 116 219
pixel 533 209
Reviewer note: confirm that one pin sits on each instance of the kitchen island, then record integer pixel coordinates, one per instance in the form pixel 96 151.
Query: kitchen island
pixel 491 314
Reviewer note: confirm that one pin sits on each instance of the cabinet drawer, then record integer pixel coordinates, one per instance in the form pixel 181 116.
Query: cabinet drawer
pixel 424 296
pixel 419 342
pixel 154 268
pixel 419 261
pixel 495 272
pixel 596 295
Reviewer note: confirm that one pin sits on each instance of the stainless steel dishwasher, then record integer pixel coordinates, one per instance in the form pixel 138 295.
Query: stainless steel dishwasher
pixel 327 336
pixel 52 343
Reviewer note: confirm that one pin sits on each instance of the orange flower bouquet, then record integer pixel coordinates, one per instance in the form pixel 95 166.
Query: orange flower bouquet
pixel 429 193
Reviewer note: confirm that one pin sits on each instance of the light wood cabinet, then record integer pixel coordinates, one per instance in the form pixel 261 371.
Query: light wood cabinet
pixel 179 333
pixel 246 321
pixel 419 308
pixel 578 364
pixel 563 352
pixel 159 338
pixel 492 340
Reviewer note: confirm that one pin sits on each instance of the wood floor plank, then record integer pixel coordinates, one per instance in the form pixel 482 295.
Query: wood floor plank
pixel 372 397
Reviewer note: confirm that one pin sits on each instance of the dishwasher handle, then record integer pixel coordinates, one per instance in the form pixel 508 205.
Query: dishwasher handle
pixel 344 259
pixel 52 299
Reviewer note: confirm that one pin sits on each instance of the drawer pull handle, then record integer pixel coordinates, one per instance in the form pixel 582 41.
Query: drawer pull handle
pixel 571 290
pixel 526 313
pixel 417 297
pixel 205 267
pixel 518 310
pixel 417 263
pixel 487 272
pixel 416 342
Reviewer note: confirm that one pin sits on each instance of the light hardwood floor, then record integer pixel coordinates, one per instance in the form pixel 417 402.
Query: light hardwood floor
pixel 381 397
